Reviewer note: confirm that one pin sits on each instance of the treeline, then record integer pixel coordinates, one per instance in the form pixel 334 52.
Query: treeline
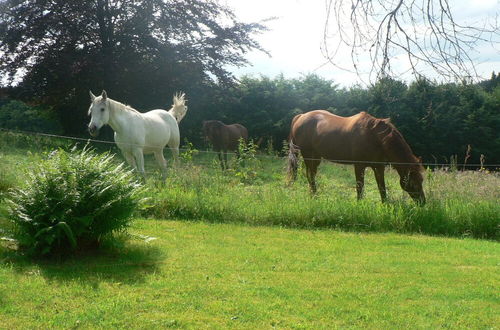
pixel 438 120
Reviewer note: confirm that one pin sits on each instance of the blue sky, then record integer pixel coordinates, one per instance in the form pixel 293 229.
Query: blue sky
pixel 296 36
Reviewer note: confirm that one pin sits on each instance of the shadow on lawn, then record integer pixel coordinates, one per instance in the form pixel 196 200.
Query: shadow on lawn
pixel 120 262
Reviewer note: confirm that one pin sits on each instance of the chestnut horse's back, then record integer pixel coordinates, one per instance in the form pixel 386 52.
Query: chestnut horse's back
pixel 321 134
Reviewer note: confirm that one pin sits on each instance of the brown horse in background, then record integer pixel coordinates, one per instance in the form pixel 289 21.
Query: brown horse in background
pixel 224 137
pixel 360 140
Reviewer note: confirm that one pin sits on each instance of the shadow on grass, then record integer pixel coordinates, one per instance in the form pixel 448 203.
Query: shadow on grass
pixel 121 261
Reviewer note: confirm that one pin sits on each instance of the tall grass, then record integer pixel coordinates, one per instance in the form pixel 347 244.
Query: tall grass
pixel 461 204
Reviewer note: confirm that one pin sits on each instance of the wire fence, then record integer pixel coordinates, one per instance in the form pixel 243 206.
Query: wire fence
pixel 260 155
pixel 150 263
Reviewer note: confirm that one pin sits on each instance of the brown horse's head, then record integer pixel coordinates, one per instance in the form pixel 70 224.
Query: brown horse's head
pixel 411 181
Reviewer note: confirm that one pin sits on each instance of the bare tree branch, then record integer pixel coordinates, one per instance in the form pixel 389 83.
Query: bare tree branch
pixel 380 33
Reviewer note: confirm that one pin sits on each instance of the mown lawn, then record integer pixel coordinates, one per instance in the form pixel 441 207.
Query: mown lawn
pixel 196 274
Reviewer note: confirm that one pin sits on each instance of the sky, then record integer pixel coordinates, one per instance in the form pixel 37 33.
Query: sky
pixel 295 39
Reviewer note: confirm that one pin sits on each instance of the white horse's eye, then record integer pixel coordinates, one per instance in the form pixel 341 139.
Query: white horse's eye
pixel 102 109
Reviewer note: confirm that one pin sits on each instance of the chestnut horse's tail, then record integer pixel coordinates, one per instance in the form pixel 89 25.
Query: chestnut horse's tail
pixel 293 154
pixel 293 162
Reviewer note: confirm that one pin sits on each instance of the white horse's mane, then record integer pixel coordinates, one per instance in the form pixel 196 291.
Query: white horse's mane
pixel 120 106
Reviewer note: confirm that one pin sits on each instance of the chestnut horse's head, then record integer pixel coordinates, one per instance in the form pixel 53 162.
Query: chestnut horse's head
pixel 411 180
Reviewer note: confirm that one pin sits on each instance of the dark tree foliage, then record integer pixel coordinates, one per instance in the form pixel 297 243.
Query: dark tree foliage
pixel 140 51
pixel 20 116
pixel 265 106
pixel 437 120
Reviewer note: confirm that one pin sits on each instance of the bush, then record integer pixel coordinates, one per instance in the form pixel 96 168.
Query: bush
pixel 17 115
pixel 72 200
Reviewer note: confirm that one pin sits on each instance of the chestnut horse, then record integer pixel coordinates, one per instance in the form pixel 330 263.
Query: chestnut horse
pixel 224 137
pixel 360 140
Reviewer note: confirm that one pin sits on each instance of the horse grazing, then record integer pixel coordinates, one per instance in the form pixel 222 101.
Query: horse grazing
pixel 360 140
pixel 139 133
pixel 224 137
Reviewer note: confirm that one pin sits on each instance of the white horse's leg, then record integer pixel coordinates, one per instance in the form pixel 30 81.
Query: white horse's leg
pixel 174 147
pixel 175 154
pixel 130 160
pixel 160 159
pixel 139 159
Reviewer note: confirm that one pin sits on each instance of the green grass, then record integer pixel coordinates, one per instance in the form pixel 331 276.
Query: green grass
pixel 248 252
pixel 463 204
pixel 201 275
pixel 460 204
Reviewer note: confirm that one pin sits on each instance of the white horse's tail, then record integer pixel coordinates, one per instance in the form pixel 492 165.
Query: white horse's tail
pixel 179 108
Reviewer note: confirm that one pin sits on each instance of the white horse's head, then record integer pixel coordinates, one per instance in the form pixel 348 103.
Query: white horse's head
pixel 99 112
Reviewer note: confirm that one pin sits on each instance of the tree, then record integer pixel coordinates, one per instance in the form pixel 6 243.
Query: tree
pixel 141 50
pixel 426 33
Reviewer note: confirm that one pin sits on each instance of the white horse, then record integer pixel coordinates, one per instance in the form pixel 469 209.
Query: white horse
pixel 139 133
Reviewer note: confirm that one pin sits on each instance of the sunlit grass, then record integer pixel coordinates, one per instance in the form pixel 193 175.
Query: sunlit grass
pixel 199 275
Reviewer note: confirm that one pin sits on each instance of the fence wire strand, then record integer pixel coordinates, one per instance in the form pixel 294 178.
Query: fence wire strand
pixel 340 161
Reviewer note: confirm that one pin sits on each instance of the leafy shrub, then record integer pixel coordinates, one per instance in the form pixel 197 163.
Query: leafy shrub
pixel 7 182
pixel 72 199
pixel 18 115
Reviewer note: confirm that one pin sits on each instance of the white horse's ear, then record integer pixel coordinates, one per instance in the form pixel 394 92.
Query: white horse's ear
pixel 92 96
pixel 104 95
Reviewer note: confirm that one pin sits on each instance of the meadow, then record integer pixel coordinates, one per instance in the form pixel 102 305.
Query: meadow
pixel 241 249
pixel 255 191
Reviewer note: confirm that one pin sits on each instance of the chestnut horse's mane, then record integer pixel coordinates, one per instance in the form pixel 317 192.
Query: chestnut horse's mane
pixel 393 143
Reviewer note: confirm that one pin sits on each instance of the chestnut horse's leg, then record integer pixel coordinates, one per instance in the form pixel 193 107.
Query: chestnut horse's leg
pixel 379 176
pixel 219 154
pixel 311 170
pixel 359 171
pixel 225 158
